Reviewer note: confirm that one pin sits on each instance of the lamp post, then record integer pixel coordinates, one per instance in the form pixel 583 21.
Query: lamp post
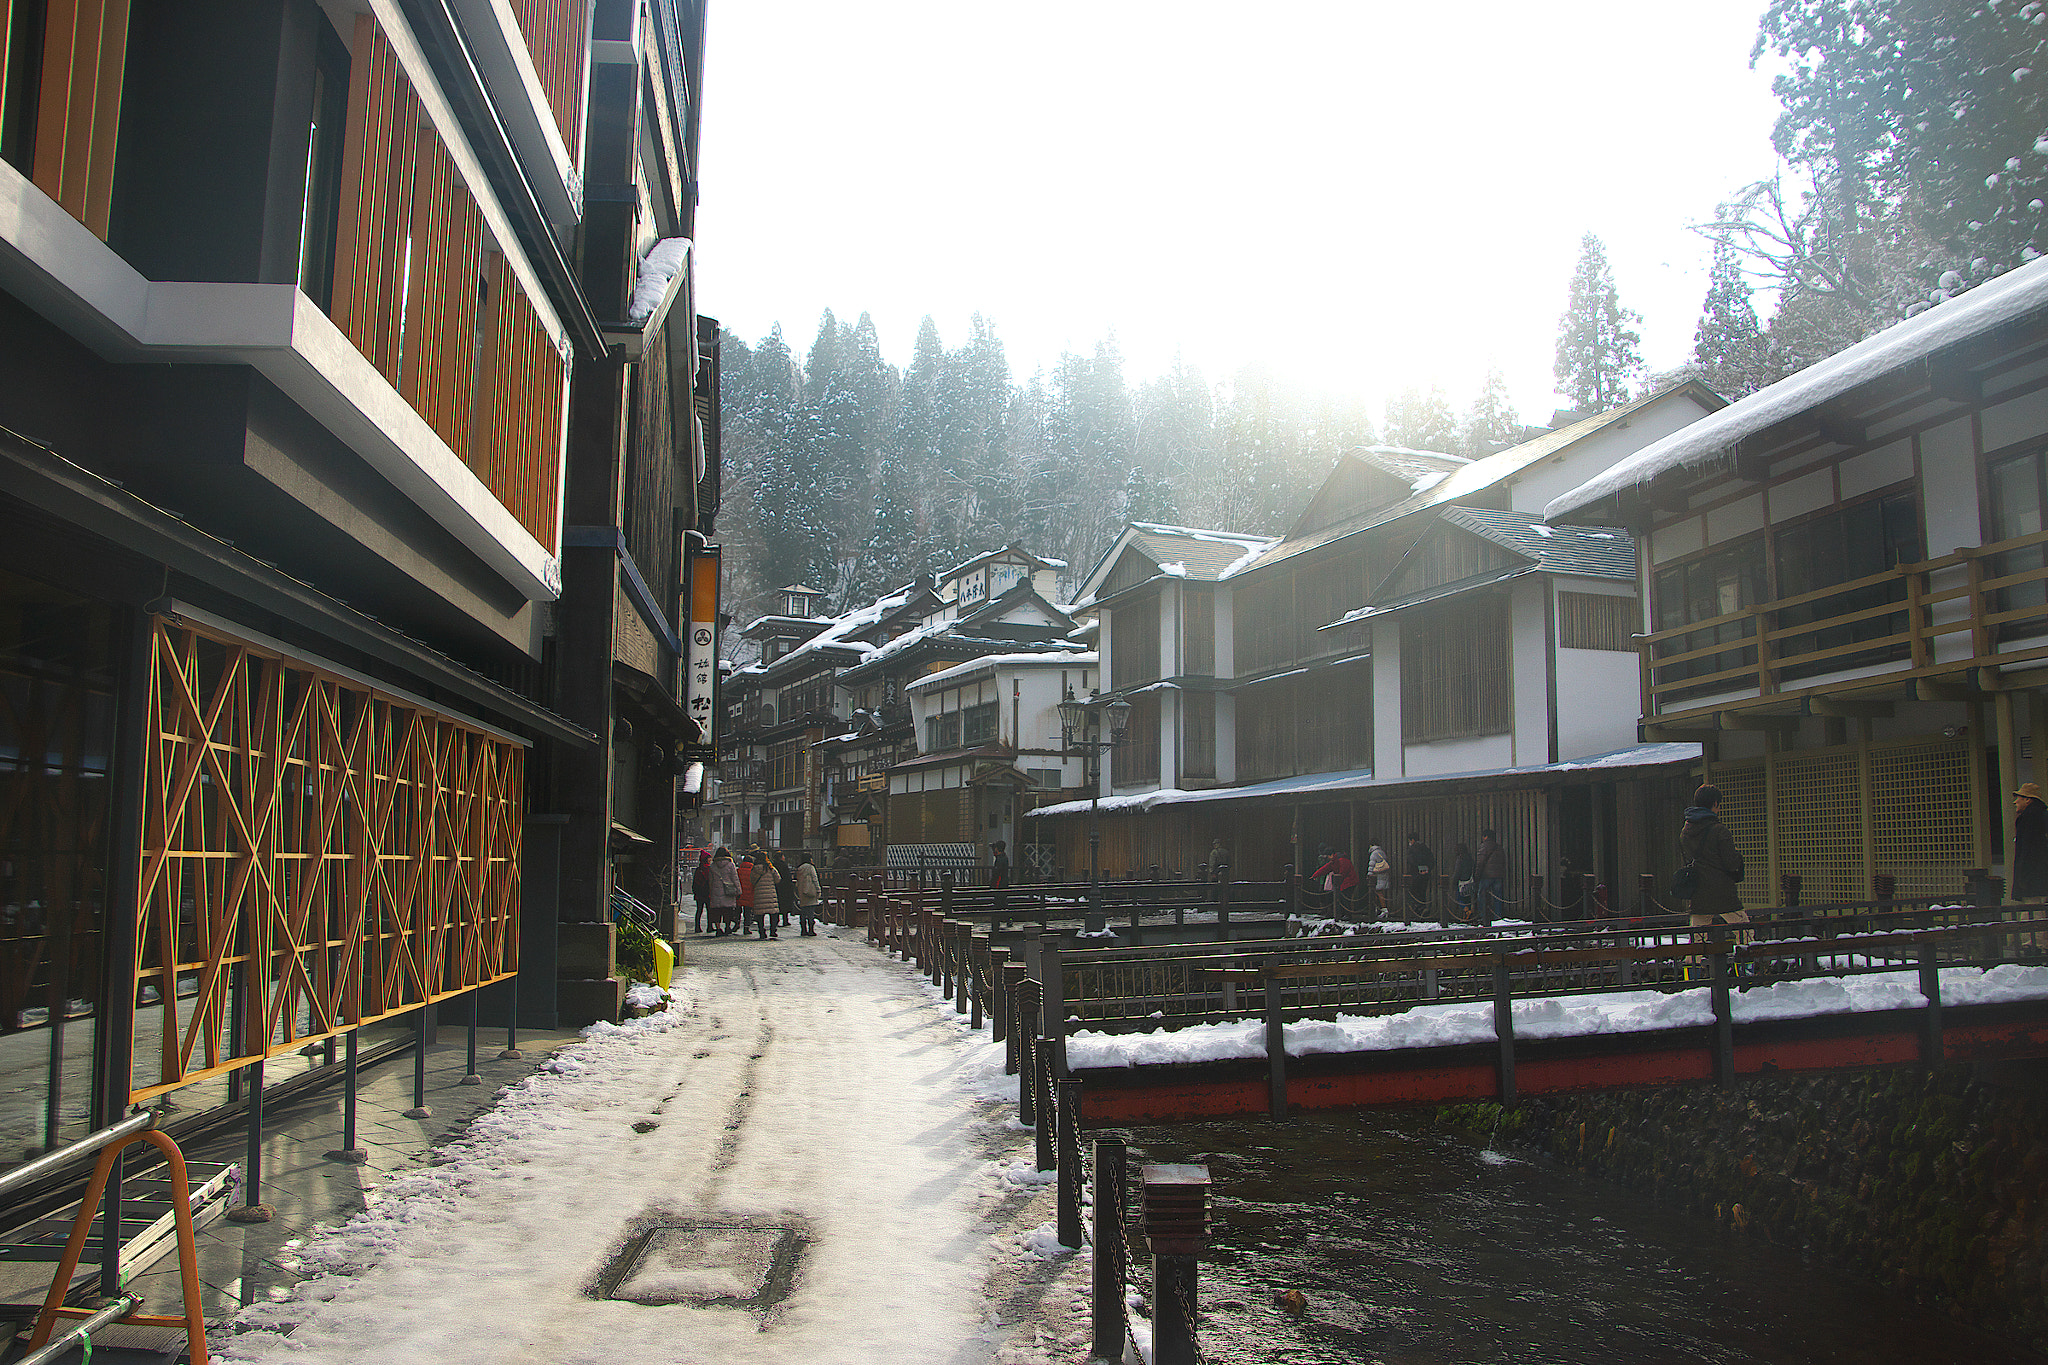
pixel 1077 717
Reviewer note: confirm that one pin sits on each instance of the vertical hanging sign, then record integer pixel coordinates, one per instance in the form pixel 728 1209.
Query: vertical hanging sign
pixel 700 646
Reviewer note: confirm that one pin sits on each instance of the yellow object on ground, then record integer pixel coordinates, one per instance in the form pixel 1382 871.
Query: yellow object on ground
pixel 664 963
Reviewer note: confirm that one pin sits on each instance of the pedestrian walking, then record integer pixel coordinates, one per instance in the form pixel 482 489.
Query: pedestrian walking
pixel 700 888
pixel 1464 879
pixel 764 894
pixel 749 870
pixel 1381 869
pixel 809 895
pixel 723 890
pixel 2029 843
pixel 1419 862
pixel 1339 876
pixel 1491 865
pixel 1707 849
pixel 785 896
pixel 1219 859
pixel 999 875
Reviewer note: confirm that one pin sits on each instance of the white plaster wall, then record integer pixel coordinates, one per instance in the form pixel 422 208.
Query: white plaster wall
pixel 2020 419
pixel 1737 519
pixel 1528 671
pixel 1680 538
pixel 1875 469
pixel 1948 495
pixel 1599 694
pixel 1459 755
pixel 1226 634
pixel 1169 732
pixel 1386 700
pixel 1226 738
pixel 1808 493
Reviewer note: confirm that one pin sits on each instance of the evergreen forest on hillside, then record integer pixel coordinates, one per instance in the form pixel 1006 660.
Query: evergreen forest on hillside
pixel 1913 165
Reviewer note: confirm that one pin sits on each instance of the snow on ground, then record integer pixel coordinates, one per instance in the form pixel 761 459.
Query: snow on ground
pixel 810 1082
pixel 1557 1017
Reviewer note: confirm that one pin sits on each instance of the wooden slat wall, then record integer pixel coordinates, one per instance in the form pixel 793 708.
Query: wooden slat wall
pixel 315 856
pixel 78 105
pixel 556 33
pixel 441 316
pixel 523 389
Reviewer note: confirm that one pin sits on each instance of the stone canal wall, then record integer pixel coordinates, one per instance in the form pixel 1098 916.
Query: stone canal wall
pixel 1933 1183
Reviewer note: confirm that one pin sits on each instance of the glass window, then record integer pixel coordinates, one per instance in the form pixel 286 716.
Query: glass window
pixel 979 724
pixel 57 710
pixel 1860 541
pixel 2017 500
pixel 1717 584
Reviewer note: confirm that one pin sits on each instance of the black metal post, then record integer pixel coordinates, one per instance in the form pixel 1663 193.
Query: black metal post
pixel 512 1052
pixel 1097 918
pixel 469 1076
pixel 419 1108
pixel 110 1228
pixel 1504 1028
pixel 1176 1224
pixel 1069 1110
pixel 1932 1051
pixel 1023 1029
pixel 349 1151
pixel 1041 1096
pixel 1724 1019
pixel 1276 1048
pixel 1111 1273
pixel 253 1209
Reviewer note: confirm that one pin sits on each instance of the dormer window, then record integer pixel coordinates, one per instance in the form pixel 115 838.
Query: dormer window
pixel 803 603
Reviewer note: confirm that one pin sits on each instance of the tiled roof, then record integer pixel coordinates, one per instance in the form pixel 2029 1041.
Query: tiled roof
pixel 1587 551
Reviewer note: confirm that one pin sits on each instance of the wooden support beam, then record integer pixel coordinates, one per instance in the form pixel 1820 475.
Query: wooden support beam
pixel 1849 708
pixel 1940 689
pixel 1951 381
pixel 1766 724
pixel 1672 734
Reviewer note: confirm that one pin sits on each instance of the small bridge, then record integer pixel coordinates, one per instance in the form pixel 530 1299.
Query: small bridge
pixel 1200 1030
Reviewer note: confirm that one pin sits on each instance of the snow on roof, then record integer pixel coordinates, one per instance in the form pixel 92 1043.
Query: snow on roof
pixel 1062 658
pixel 662 263
pixel 838 632
pixel 1174 570
pixel 1637 756
pixel 1993 304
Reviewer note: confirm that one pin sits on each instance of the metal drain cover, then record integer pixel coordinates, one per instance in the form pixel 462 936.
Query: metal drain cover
pixel 741 1264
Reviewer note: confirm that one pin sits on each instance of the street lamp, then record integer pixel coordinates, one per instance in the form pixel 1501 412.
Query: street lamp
pixel 1077 717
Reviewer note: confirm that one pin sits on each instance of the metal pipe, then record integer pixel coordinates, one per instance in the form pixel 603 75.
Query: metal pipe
pixel 81 1334
pixel 29 1173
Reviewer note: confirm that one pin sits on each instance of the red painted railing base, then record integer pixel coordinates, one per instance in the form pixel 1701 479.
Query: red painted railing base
pixel 1120 1096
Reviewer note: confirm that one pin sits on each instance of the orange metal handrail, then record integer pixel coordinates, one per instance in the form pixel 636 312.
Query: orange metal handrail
pixel 194 1319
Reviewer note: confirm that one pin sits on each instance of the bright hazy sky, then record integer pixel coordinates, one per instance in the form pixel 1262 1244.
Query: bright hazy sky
pixel 1358 195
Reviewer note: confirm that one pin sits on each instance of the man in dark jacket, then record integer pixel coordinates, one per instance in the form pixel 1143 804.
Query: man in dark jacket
pixel 2029 844
pixel 1490 863
pixel 1421 864
pixel 1706 843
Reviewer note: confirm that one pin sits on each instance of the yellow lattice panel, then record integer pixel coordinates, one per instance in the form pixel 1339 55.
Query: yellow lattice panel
pixel 316 854
pixel 1920 816
pixel 1743 812
pixel 1820 824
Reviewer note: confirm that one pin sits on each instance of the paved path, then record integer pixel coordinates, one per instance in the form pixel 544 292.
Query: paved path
pixel 810 1085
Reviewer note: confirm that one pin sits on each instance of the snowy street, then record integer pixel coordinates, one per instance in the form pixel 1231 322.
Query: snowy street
pixel 822 1139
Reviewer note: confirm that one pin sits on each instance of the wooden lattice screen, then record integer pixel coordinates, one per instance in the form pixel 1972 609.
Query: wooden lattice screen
pixel 316 855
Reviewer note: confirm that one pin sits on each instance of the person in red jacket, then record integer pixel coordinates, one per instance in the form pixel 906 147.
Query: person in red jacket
pixel 1339 876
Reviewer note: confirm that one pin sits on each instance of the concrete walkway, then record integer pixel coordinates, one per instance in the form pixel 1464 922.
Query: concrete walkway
pixel 798 1168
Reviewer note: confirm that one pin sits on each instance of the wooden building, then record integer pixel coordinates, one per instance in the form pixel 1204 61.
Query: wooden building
pixel 1420 653
pixel 337 474
pixel 1845 598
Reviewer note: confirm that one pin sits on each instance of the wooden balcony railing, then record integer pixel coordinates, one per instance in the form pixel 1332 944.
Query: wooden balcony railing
pixel 77 51
pixel 1894 617
pixel 442 318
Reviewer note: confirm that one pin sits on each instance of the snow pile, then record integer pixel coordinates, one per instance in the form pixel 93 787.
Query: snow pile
pixel 1043 1242
pixel 1576 1016
pixel 663 262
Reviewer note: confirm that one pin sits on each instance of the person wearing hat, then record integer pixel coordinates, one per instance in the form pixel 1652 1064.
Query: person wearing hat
pixel 2029 843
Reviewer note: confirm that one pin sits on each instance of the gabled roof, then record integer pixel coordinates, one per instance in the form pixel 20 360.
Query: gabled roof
pixel 1048 658
pixel 1008 551
pixel 1016 595
pixel 1576 551
pixel 2017 295
pixel 1478 476
pixel 1584 551
pixel 1201 556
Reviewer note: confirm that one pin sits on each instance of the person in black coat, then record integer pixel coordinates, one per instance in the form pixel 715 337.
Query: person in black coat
pixel 1421 863
pixel 2029 844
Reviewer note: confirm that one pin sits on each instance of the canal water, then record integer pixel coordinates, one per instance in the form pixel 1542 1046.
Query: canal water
pixel 1416 1245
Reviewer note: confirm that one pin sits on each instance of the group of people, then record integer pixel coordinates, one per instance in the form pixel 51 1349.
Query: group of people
pixel 756 894
pixel 1477 879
